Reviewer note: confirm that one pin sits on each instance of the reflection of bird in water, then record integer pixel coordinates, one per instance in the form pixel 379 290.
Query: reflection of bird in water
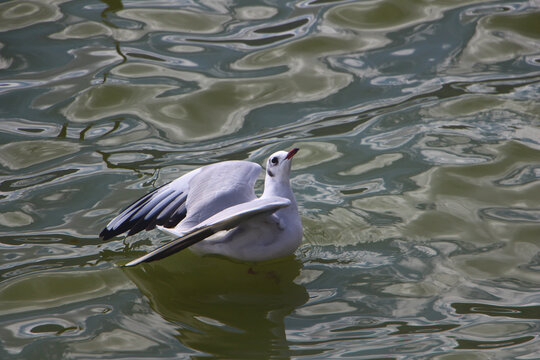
pixel 230 313
pixel 214 209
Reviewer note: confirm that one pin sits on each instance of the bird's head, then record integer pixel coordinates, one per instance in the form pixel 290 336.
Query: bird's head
pixel 278 166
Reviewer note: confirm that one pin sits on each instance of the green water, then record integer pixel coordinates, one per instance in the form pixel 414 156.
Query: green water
pixel 418 177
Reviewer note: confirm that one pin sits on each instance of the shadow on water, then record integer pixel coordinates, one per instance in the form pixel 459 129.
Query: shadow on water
pixel 223 308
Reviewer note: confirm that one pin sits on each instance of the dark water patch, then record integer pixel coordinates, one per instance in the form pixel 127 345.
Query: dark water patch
pixel 456 127
pixel 324 2
pixel 288 26
pixel 35 180
pixel 51 329
pixel 485 345
pixel 512 214
pixel 263 41
pixel 421 329
pixel 519 312
pixel 142 56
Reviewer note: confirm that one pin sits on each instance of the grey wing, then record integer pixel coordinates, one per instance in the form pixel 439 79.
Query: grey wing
pixel 223 220
pixel 217 187
pixel 188 196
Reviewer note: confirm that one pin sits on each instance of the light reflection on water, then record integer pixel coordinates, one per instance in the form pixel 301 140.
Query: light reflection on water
pixel 417 176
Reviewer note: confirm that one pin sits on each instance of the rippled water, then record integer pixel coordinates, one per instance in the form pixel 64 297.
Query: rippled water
pixel 418 176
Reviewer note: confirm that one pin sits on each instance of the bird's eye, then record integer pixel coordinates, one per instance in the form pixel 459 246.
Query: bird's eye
pixel 274 160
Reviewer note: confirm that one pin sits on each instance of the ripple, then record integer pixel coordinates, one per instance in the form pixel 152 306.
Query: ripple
pixel 391 139
pixel 334 307
pixel 68 80
pixel 487 9
pixel 260 42
pixel 15 219
pixel 482 345
pixel 49 289
pixel 378 162
pixel 445 157
pixel 384 15
pixel 112 341
pixel 315 153
pixel 177 20
pixel 345 258
pixel 121 159
pixel 497 329
pixel 83 30
pixel 17 14
pixel 28 153
pixel 255 12
pixel 12 85
pixel 512 214
pixel 522 176
pixel 501 37
pixel 187 117
pixel 44 327
pixel 292 24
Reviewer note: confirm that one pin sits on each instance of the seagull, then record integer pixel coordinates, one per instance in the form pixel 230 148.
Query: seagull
pixel 214 210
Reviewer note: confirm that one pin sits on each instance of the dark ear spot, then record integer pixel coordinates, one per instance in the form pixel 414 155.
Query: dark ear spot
pixel 270 173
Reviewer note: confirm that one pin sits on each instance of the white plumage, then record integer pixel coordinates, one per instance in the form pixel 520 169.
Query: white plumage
pixel 214 210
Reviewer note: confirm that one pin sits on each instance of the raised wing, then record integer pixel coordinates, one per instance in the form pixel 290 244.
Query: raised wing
pixel 223 220
pixel 164 206
pixel 218 187
pixel 194 197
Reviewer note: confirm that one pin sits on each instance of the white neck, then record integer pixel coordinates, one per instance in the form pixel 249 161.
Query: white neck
pixel 274 186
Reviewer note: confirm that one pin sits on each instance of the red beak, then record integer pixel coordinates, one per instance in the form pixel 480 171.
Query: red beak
pixel 291 153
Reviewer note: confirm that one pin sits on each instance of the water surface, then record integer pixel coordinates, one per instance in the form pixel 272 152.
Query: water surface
pixel 417 179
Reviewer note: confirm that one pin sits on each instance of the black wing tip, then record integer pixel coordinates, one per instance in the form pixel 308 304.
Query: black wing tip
pixel 169 209
pixel 106 234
